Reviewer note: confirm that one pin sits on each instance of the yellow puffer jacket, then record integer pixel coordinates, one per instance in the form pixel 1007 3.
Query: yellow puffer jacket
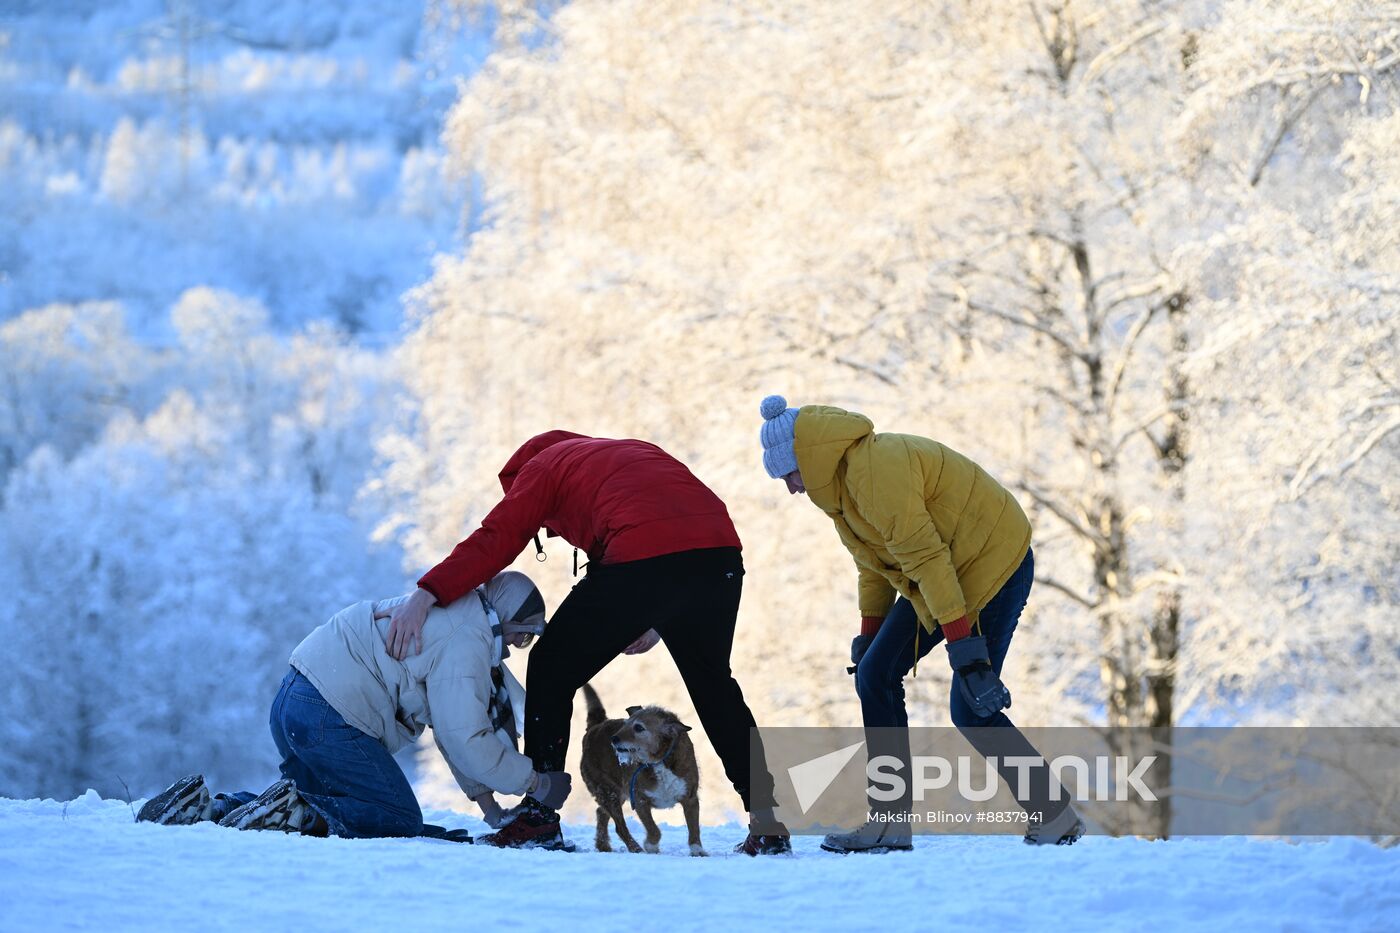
pixel 919 518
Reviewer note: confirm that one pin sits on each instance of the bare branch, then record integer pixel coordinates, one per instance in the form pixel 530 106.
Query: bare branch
pixel 1129 344
pixel 1105 280
pixel 1075 405
pixel 1020 321
pixel 1105 59
pixel 1075 524
pixel 1140 290
pixel 1041 233
pixel 1294 76
pixel 1010 280
pixel 1059 587
pixel 1156 578
pixel 1281 131
pixel 1146 423
pixel 1305 480
pixel 863 368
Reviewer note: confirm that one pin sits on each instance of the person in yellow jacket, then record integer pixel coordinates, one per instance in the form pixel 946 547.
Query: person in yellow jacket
pixel 942 553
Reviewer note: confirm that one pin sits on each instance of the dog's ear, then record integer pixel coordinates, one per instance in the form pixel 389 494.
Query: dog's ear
pixel 676 727
pixel 633 710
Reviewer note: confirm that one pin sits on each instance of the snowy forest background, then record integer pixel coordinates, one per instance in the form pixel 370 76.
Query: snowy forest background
pixel 279 295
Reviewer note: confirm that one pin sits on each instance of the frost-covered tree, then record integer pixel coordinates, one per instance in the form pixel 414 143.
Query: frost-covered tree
pixel 279 150
pixel 66 370
pixel 1019 227
pixel 1301 391
pixel 158 576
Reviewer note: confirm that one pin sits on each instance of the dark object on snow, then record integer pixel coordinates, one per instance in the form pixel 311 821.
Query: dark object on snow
pixel 450 835
pixel 529 825
pixel 279 808
pixel 755 844
pixel 182 803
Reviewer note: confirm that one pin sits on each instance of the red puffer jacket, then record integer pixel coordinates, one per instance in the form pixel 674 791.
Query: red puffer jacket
pixel 618 500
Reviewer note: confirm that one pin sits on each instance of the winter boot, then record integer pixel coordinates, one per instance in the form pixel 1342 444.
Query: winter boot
pixel 767 835
pixel 528 825
pixel 874 837
pixel 279 807
pixel 430 831
pixel 771 844
pixel 182 803
pixel 1064 829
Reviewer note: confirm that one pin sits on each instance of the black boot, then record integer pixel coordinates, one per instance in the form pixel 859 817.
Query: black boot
pixel 771 844
pixel 767 834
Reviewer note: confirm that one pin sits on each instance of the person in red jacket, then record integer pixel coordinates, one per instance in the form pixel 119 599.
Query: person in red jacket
pixel 663 565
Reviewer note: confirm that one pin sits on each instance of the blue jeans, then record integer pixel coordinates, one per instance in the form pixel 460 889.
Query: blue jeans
pixel 880 685
pixel 880 674
pixel 346 776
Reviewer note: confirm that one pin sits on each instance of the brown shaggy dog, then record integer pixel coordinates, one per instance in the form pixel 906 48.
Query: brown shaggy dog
pixel 647 758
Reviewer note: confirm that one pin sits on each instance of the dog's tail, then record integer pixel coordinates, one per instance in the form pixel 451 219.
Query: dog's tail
pixel 596 713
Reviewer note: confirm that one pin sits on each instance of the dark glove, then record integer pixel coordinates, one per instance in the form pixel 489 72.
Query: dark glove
pixel 859 646
pixel 980 685
pixel 553 789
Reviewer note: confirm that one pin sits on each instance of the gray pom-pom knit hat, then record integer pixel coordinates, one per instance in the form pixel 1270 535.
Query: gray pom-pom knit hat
pixel 779 424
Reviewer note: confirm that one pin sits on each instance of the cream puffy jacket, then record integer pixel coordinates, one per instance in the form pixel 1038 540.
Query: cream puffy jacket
pixel 447 686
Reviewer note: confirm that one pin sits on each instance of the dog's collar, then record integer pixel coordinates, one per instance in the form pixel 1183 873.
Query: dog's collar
pixel 647 766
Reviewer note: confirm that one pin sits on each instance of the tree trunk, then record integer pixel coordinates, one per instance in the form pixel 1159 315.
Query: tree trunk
pixel 1165 644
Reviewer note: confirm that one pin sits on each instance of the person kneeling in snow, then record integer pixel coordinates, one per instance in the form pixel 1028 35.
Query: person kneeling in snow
pixel 347 705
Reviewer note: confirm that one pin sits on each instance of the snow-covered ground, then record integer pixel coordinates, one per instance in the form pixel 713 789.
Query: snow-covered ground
pixel 85 865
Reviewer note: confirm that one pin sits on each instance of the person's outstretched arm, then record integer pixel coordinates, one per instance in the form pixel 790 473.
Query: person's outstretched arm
pixel 486 552
pixel 459 696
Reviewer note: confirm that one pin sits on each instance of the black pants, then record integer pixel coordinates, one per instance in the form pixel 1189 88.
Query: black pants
pixel 692 600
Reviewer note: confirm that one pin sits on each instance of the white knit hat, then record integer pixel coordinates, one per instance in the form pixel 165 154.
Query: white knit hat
pixel 779 424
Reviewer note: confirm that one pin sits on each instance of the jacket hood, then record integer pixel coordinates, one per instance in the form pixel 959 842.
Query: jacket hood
pixel 529 450
pixel 821 437
pixel 517 601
